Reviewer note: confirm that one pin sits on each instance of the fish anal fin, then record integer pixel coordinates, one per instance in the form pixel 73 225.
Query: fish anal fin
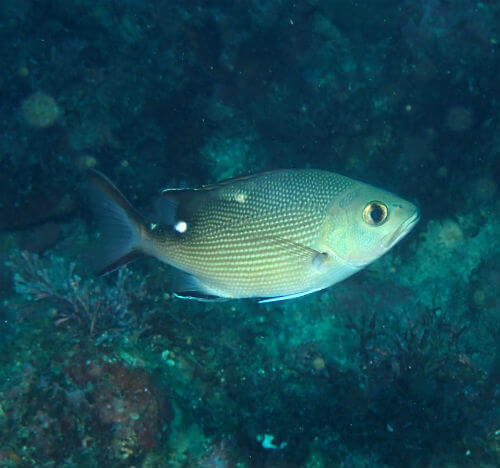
pixel 197 296
pixel 188 286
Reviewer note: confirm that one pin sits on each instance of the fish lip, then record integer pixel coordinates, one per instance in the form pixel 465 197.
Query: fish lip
pixel 406 226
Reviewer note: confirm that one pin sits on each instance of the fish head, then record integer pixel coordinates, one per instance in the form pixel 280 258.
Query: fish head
pixel 365 222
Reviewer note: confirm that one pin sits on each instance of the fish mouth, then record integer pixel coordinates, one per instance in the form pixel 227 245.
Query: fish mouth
pixel 406 226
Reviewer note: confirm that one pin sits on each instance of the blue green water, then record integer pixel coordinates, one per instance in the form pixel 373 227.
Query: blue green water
pixel 398 366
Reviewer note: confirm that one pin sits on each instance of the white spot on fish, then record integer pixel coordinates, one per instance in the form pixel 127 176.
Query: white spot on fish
pixel 181 227
pixel 240 197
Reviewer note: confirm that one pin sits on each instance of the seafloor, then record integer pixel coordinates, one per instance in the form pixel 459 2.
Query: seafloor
pixel 396 367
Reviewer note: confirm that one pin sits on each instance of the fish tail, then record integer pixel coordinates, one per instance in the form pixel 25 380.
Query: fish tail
pixel 122 228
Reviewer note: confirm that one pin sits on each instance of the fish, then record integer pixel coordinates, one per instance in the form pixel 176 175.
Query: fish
pixel 272 236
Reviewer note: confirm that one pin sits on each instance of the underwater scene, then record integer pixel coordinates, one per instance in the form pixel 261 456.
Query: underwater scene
pixel 250 234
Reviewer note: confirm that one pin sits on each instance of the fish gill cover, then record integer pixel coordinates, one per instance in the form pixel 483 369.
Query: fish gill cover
pixel 398 366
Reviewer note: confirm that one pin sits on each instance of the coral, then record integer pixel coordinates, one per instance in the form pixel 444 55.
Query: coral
pixel 459 119
pixel 101 412
pixel 217 455
pixel 398 367
pixel 34 402
pixel 449 234
pixel 88 309
pixel 484 189
pixel 40 110
pixel 413 370
pixel 132 408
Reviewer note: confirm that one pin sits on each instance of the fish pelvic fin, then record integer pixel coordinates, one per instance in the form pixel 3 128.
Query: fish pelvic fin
pixel 122 229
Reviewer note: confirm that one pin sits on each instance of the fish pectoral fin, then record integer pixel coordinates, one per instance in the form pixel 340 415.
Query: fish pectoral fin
pixel 188 286
pixel 306 254
pixel 295 247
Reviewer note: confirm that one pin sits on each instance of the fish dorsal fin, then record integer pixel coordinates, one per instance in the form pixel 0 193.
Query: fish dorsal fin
pixel 183 195
pixel 182 204
pixel 233 180
pixel 177 204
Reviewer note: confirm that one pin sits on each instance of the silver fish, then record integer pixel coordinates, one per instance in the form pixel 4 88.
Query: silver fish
pixel 274 235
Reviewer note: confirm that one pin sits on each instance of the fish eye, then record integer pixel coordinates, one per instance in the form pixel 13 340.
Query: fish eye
pixel 375 213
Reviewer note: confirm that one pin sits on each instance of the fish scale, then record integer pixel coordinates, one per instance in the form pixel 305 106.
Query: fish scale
pixel 242 253
pixel 277 234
